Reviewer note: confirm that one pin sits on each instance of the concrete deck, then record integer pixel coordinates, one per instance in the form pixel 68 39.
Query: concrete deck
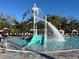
pixel 68 54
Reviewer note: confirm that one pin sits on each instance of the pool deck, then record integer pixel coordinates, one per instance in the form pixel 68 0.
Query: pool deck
pixel 16 54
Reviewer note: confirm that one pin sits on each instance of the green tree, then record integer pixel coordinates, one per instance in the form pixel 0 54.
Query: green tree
pixel 55 20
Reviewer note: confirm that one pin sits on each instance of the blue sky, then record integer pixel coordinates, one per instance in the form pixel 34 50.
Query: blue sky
pixel 60 7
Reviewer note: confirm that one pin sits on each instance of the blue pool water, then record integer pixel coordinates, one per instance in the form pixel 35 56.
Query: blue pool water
pixel 72 43
pixel 69 43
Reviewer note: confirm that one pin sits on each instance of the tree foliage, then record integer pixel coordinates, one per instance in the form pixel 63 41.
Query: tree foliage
pixel 65 23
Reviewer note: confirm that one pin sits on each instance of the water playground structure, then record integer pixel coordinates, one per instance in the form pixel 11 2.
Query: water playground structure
pixel 53 42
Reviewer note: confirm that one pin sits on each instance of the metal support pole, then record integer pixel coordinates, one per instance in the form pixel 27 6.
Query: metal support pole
pixel 45 34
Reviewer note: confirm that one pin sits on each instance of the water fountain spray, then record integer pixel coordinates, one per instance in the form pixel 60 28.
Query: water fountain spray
pixel 37 40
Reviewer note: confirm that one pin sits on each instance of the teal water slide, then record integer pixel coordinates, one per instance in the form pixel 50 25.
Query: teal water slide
pixel 36 40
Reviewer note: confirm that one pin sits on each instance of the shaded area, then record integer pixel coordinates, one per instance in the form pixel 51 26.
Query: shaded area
pixel 42 54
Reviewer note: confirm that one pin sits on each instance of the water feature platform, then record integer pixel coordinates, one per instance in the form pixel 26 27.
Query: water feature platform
pixel 43 46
